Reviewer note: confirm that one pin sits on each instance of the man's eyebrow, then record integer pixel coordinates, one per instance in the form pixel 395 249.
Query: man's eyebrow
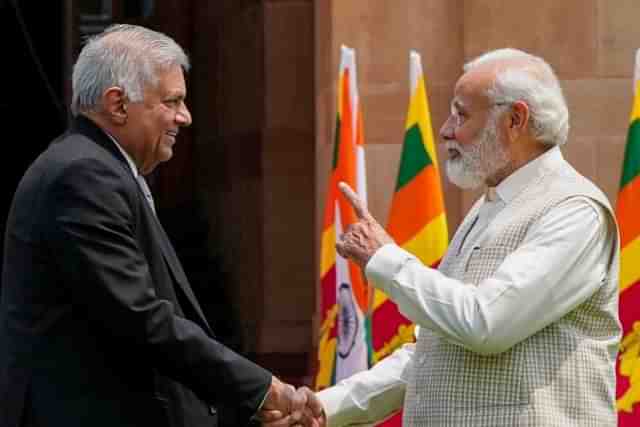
pixel 176 95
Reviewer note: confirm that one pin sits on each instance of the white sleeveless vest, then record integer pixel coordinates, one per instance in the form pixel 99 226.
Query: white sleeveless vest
pixel 564 375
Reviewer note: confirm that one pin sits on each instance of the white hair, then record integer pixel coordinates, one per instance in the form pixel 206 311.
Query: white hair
pixel 530 79
pixel 127 56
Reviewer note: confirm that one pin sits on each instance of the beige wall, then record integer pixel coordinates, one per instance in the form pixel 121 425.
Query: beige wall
pixel 288 171
pixel 382 34
pixel 590 44
pixel 255 156
pixel 274 153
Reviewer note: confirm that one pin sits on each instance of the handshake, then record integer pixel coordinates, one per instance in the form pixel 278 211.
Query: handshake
pixel 286 406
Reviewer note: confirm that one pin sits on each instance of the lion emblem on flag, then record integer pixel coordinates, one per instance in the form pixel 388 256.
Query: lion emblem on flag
pixel 629 366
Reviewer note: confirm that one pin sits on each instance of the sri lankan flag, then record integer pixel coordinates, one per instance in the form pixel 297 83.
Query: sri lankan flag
pixel 628 216
pixel 345 337
pixel 417 220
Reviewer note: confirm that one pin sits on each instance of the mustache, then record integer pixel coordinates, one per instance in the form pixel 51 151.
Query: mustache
pixel 454 145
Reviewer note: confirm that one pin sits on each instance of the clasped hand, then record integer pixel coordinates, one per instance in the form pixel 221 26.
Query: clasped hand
pixel 286 406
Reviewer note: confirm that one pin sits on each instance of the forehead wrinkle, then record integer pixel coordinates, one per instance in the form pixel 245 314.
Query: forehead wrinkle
pixel 472 87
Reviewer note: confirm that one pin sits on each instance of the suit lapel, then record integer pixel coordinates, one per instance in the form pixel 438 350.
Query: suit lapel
pixel 88 128
pixel 172 261
pixel 85 126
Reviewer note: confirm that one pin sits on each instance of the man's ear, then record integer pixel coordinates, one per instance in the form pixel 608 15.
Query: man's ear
pixel 115 105
pixel 518 119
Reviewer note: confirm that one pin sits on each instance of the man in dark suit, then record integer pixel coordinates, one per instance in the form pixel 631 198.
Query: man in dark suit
pixel 98 323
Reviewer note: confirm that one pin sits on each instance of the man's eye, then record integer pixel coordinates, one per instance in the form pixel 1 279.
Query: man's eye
pixel 460 118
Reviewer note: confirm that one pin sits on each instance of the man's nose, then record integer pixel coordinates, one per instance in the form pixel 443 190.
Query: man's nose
pixel 183 116
pixel 447 130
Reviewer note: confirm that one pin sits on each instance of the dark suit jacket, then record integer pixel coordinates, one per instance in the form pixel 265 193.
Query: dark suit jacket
pixel 98 323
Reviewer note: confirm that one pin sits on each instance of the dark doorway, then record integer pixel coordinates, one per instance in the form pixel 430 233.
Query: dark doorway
pixel 41 53
pixel 32 105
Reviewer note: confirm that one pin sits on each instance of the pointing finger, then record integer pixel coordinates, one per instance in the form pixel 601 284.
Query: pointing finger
pixel 354 200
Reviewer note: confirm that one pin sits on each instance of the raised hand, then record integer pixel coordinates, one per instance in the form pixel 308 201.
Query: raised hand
pixel 362 239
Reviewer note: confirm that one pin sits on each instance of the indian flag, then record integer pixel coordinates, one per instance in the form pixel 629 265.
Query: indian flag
pixel 345 337
pixel 417 220
pixel 628 216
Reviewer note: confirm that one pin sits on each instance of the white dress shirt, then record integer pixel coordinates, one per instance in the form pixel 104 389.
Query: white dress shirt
pixel 142 182
pixel 561 262
pixel 130 162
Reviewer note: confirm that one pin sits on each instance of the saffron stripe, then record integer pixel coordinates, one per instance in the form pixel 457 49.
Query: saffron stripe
pixel 414 205
pixel 430 244
pixel 628 211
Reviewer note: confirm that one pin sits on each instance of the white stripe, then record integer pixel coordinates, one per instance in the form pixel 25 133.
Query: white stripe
pixel 415 70
pixel 348 61
pixel 361 174
pixel 354 345
pixel 636 72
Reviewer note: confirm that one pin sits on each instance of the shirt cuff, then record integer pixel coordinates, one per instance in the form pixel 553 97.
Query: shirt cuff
pixel 385 263
pixel 338 406
pixel 256 416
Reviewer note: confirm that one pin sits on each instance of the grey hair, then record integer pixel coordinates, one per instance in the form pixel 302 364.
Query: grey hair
pixel 127 56
pixel 530 79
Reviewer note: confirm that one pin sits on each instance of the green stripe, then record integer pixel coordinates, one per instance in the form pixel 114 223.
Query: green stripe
pixel 336 143
pixel 631 166
pixel 368 327
pixel 414 157
pixel 333 371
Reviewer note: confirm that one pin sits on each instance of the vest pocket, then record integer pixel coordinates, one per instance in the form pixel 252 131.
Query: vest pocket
pixel 456 379
pixel 484 261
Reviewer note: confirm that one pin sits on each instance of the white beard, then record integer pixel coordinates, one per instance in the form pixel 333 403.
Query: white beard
pixel 484 158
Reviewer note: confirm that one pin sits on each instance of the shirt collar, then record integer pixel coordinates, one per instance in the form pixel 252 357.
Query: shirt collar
pixel 126 155
pixel 514 183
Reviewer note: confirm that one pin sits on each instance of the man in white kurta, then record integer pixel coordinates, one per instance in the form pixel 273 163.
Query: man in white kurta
pixel 518 326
